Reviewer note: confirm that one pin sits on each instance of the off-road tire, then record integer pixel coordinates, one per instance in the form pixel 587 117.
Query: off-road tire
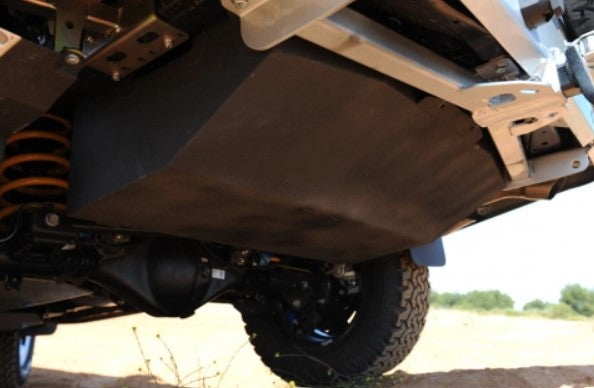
pixel 579 16
pixel 391 316
pixel 11 374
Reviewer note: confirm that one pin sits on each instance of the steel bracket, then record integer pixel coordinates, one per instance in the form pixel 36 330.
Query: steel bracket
pixel 509 109
pixel 265 23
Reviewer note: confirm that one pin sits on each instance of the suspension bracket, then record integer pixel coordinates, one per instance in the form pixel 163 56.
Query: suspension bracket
pixel 509 109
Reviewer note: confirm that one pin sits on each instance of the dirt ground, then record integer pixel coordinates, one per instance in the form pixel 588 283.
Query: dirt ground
pixel 456 349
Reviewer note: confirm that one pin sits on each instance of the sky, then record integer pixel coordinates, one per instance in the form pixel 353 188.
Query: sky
pixel 528 253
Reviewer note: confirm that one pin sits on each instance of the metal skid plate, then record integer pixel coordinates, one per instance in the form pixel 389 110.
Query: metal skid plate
pixel 148 40
pixel 32 77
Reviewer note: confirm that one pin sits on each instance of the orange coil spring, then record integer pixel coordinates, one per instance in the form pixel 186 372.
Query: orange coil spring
pixel 35 166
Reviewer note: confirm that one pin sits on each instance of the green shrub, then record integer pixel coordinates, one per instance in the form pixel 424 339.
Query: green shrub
pixel 487 300
pixel 446 299
pixel 579 298
pixel 474 300
pixel 536 305
pixel 559 311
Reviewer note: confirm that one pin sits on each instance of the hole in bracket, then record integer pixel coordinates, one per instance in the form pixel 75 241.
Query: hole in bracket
pixel 524 121
pixel 147 37
pixel 116 57
pixel 501 99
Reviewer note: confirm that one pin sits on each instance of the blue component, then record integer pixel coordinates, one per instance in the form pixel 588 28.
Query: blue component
pixel 429 255
pixel 292 317
pixel 322 334
pixel 264 259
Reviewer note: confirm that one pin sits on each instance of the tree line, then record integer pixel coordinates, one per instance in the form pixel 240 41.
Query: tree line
pixel 574 301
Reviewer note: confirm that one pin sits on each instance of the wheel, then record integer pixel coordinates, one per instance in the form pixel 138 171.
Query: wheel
pixel 16 353
pixel 579 16
pixel 364 334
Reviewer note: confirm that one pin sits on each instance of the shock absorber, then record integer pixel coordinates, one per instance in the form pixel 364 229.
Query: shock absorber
pixel 35 167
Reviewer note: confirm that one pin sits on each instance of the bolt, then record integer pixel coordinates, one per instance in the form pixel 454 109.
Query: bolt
pixel 72 59
pixel 120 238
pixel 115 76
pixel 168 43
pixel 483 210
pixel 304 284
pixel 296 303
pixel 240 4
pixel 52 220
pixel 576 164
pixel 90 39
pixel 206 272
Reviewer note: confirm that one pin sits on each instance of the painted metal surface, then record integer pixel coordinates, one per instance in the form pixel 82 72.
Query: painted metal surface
pixel 509 109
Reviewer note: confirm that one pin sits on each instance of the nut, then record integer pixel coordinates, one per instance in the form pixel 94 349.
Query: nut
pixel 240 4
pixel 52 220
pixel 72 59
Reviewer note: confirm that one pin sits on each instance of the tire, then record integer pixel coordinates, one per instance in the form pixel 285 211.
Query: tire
pixel 16 353
pixel 579 16
pixel 390 317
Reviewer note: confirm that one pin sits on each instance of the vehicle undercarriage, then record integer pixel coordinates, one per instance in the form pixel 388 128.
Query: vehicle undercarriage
pixel 298 159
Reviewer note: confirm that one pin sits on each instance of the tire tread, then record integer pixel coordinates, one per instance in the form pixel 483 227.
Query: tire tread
pixel 392 325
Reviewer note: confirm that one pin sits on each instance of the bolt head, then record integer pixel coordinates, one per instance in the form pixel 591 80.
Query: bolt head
pixel 240 4
pixel 72 59
pixel 52 220
pixel 168 43
pixel 116 76
pixel 296 303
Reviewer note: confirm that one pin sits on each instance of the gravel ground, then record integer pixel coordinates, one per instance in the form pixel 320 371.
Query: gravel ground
pixel 210 349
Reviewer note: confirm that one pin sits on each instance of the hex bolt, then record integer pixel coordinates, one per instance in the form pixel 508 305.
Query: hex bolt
pixel 72 59
pixel 52 220
pixel 121 238
pixel 576 164
pixel 115 76
pixel 168 43
pixel 483 210
pixel 240 4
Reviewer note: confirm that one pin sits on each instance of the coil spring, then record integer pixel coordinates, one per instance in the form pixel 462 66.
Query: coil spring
pixel 36 165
